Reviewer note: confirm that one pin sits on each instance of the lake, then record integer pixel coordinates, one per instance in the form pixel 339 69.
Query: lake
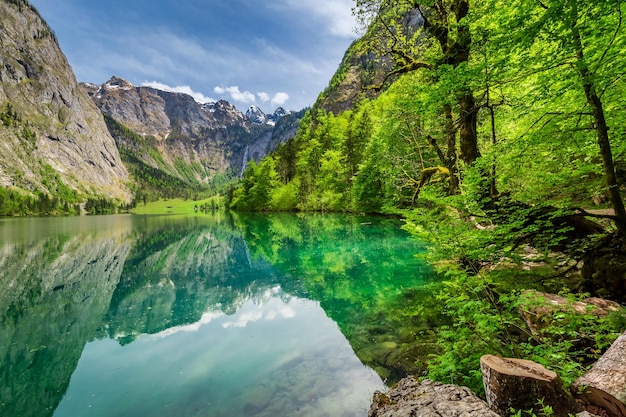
pixel 221 314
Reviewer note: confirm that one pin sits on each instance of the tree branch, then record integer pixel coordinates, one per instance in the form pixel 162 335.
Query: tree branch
pixel 594 215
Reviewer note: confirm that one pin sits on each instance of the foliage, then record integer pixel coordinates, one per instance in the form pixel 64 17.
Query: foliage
pixel 484 306
pixel 16 202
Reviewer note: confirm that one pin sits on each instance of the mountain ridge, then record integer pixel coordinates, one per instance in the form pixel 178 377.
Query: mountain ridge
pixel 196 143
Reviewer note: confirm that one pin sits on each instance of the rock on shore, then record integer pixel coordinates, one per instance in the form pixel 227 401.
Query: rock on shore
pixel 428 399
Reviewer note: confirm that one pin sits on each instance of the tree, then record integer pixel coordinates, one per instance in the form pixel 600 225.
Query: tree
pixel 441 44
pixel 572 44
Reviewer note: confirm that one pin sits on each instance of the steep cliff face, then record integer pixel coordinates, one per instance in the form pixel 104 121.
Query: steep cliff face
pixel 47 120
pixel 184 139
pixel 362 73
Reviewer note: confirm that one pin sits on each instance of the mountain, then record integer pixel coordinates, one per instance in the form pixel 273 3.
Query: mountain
pixel 149 111
pixel 278 114
pixel 256 115
pixel 363 74
pixel 53 139
pixel 168 137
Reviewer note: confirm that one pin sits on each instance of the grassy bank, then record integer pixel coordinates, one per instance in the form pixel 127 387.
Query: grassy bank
pixel 179 206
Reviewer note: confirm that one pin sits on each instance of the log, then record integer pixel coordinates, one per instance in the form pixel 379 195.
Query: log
pixel 537 308
pixel 604 385
pixel 520 384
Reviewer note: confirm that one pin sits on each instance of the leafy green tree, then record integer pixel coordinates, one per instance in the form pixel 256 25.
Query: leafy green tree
pixel 441 45
pixel 331 181
pixel 257 184
pixel 576 45
pixel 356 138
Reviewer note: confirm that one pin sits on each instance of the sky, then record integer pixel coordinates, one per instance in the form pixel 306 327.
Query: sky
pixel 267 53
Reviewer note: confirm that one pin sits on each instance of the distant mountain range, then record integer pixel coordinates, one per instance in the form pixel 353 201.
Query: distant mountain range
pixel 196 143
pixel 119 141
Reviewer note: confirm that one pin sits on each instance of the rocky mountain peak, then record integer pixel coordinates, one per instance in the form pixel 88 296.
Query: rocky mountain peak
pixel 278 114
pixel 159 113
pixel 117 83
pixel 256 115
pixel 225 113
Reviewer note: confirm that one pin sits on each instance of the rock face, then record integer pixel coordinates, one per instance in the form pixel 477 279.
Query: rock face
pixel 412 398
pixel 47 119
pixel 149 111
pixel 363 74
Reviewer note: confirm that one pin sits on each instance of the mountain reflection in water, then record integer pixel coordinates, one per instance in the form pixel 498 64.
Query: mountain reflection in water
pixel 206 315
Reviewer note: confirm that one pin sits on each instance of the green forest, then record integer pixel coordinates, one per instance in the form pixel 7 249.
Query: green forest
pixel 497 130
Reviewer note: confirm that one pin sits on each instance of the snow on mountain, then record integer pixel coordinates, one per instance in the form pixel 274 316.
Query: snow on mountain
pixel 278 113
pixel 256 115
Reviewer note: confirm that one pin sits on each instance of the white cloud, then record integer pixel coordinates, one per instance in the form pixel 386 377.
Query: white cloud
pixel 236 94
pixel 244 319
pixel 270 308
pixel 185 89
pixel 280 99
pixel 181 59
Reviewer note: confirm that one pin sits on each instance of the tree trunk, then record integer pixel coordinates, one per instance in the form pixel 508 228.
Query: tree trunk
pixel 538 308
pixel 519 384
pixel 451 157
pixel 602 130
pixel 468 137
pixel 604 386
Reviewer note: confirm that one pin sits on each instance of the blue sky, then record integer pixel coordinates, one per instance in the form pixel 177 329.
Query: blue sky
pixel 267 53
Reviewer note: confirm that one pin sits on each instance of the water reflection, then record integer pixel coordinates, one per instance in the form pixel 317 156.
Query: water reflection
pixel 204 315
pixel 226 365
pixel 56 283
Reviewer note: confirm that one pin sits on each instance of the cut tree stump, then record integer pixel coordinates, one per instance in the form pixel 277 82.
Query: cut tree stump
pixel 604 385
pixel 520 384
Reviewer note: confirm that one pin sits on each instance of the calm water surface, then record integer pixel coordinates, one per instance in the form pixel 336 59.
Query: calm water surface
pixel 207 315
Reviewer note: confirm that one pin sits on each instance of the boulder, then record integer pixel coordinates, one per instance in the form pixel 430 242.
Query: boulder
pixel 410 397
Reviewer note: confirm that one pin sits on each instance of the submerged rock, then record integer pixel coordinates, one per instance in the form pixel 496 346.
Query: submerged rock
pixel 428 399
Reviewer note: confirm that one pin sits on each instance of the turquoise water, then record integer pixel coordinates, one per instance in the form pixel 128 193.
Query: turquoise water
pixel 207 315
